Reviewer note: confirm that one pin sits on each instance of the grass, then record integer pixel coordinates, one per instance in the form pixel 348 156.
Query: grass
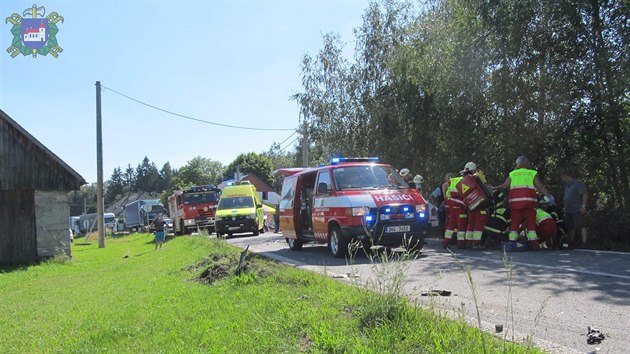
pixel 130 298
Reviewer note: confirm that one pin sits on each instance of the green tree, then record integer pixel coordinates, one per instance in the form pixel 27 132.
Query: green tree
pixel 254 163
pixel 199 171
pixel 115 186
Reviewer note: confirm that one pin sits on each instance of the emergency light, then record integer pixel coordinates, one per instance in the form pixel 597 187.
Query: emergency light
pixel 338 160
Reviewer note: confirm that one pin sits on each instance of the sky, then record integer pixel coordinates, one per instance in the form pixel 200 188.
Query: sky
pixel 229 62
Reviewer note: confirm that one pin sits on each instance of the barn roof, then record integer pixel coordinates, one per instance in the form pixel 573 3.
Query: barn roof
pixel 25 163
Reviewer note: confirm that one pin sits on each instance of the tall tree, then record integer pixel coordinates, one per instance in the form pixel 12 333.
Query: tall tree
pixel 258 164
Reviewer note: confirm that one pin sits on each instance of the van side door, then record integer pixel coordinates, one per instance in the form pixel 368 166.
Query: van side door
pixel 289 207
pixel 323 189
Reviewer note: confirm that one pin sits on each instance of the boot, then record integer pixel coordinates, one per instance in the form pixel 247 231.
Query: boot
pixel 478 246
pixel 534 245
pixel 446 242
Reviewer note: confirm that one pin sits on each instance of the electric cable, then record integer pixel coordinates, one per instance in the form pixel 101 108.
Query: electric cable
pixel 192 118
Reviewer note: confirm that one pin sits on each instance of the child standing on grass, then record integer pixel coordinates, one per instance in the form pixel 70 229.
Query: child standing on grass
pixel 159 231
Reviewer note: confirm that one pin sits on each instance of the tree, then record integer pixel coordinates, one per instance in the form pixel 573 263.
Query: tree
pixel 115 186
pixel 199 171
pixel 254 163
pixel 147 177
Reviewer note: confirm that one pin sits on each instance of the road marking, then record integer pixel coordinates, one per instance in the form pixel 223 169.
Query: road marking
pixel 534 266
pixel 599 251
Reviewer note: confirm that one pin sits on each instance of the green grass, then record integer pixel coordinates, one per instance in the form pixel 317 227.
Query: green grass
pixel 130 298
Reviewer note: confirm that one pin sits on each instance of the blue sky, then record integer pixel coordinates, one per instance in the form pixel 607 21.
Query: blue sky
pixel 230 62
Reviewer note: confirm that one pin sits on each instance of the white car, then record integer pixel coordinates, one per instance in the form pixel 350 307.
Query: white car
pixel 169 225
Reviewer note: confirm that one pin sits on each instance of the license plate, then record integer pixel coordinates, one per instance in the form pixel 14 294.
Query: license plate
pixel 232 228
pixel 403 228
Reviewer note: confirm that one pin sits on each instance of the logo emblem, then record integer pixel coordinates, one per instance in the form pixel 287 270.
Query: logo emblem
pixel 34 34
pixel 465 188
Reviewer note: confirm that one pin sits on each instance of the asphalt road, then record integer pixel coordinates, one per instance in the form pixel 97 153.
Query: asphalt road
pixel 553 297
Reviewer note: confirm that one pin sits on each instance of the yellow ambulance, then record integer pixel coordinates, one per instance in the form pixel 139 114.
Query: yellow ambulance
pixel 239 210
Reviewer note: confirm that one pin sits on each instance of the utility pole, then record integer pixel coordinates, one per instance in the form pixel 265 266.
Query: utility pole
pixel 237 176
pixel 305 145
pixel 99 169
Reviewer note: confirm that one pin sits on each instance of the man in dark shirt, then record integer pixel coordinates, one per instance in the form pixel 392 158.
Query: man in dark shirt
pixel 159 223
pixel 575 201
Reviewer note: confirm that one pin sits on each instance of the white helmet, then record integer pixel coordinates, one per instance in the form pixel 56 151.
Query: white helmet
pixel 418 179
pixel 404 172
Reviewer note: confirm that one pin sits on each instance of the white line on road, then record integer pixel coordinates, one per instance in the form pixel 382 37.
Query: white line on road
pixel 534 266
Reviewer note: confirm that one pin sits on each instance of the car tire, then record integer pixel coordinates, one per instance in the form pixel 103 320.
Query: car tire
pixel 294 244
pixel 337 244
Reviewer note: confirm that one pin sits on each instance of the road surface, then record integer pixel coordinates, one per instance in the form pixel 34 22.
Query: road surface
pixel 555 295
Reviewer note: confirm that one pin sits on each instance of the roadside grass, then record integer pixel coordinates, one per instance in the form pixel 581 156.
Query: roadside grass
pixel 130 298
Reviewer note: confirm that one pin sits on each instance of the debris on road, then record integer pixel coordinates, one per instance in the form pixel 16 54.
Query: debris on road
pixel 436 293
pixel 594 336
pixel 498 328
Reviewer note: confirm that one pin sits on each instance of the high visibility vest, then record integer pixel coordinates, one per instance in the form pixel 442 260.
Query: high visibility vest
pixel 542 215
pixel 522 194
pixel 452 195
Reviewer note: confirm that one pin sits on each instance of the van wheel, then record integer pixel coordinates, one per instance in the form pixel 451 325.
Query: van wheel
pixel 337 244
pixel 294 244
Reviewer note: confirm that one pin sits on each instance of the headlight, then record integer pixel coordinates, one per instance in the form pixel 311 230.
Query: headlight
pixel 252 216
pixel 385 217
pixel 420 208
pixel 360 211
pixel 189 222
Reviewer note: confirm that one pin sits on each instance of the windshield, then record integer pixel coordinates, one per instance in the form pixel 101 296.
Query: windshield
pixel 367 177
pixel 108 219
pixel 194 198
pixel 236 202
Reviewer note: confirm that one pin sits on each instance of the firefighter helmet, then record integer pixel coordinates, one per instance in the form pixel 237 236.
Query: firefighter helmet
pixel 404 172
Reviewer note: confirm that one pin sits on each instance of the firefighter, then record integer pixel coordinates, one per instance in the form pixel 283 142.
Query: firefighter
pixel 496 227
pixel 545 225
pixel 522 184
pixel 470 189
pixel 455 214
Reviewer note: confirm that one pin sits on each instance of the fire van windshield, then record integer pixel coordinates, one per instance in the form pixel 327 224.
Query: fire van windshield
pixel 200 198
pixel 367 177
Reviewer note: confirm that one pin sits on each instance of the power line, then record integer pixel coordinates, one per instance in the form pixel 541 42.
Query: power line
pixel 290 144
pixel 192 118
pixel 283 141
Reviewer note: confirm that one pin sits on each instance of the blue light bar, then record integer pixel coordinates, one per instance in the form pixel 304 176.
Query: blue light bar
pixel 338 160
pixel 405 209
pixel 369 218
pixel 388 210
pixel 422 215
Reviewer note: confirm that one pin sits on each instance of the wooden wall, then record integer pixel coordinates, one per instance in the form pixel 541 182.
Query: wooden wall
pixel 18 242
pixel 25 165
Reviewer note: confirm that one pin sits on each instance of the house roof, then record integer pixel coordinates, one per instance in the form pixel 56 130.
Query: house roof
pixel 260 185
pixel 25 163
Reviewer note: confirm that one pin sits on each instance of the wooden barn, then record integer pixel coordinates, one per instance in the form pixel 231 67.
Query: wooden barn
pixel 34 187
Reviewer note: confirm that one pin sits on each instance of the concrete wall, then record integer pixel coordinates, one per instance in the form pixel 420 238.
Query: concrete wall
pixel 51 223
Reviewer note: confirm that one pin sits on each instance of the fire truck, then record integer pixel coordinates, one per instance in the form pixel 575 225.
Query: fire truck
pixel 193 209
pixel 351 199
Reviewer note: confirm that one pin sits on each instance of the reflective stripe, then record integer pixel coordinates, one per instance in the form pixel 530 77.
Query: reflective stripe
pixel 463 216
pixel 492 229
pixel 531 235
pixel 513 236
pixel 523 199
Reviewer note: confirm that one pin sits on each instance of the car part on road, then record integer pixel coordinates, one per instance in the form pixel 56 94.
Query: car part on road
pixel 294 244
pixel 436 293
pixel 594 336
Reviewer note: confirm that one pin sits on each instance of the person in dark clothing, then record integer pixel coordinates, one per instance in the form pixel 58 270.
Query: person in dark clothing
pixel 276 219
pixel 159 223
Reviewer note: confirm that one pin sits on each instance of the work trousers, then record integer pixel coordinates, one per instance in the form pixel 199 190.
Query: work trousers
pixel 455 220
pixel 476 222
pixel 518 215
pixel 547 231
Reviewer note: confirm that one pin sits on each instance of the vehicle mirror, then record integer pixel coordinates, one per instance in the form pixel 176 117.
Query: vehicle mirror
pixel 322 188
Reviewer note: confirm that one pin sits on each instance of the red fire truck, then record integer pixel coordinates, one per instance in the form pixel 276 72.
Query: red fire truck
pixel 193 209
pixel 351 199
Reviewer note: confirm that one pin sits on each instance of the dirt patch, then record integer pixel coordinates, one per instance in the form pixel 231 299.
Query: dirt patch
pixel 217 267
